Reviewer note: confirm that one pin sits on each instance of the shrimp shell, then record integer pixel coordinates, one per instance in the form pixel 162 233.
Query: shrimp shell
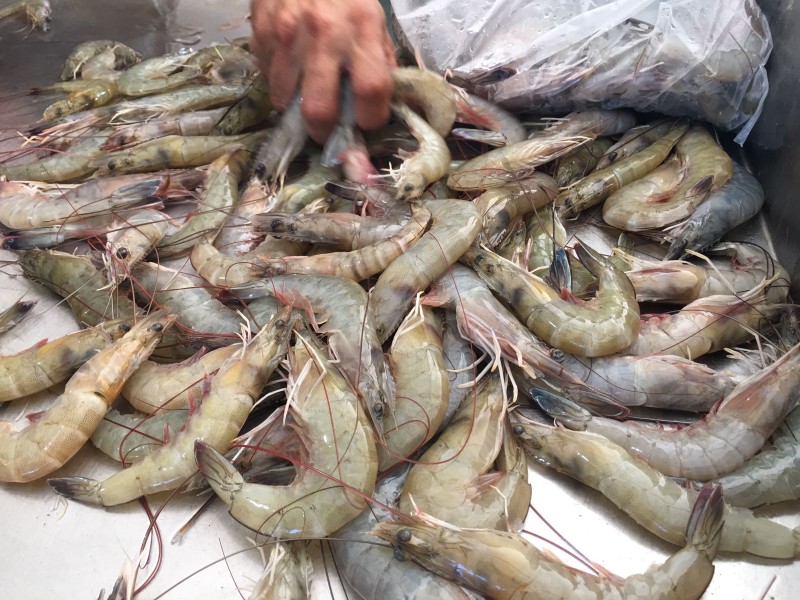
pixel 130 437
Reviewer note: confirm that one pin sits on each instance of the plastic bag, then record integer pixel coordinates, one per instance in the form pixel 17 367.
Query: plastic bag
pixel 696 58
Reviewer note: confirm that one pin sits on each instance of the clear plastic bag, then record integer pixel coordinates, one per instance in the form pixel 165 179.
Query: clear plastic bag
pixel 696 58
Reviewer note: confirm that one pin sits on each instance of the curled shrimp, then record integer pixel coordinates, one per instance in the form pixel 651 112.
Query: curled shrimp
pixel 47 363
pixel 428 164
pixel 231 395
pixel 339 468
pixel 55 437
pixel 674 190
pixel 723 441
pixel 502 565
pixel 657 503
pixel 604 325
pixel 431 92
pixel 455 226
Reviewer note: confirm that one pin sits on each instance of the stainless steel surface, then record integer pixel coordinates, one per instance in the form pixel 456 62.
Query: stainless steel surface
pixel 56 549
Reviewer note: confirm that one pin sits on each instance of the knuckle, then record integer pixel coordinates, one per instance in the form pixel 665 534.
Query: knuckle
pixel 285 27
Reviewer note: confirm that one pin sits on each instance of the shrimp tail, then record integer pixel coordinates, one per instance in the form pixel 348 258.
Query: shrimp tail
pixel 222 476
pixel 560 271
pixel 565 412
pixel 81 489
pixel 704 529
pixel 591 260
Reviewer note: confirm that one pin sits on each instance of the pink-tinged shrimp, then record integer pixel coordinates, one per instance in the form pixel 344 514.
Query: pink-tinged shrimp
pixel 55 437
pixel 224 409
pixel 482 113
pixel 505 566
pixel 720 443
pixel 604 325
pixel 339 464
pixel 455 226
pixel 429 91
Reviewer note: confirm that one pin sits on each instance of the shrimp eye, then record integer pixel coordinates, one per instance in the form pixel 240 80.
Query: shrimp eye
pixel 276 225
pixel 125 327
pixel 399 555
pixel 112 164
pixel 280 323
pixel 377 410
pixel 122 253
pixel 404 535
pixel 518 429
pixel 157 327
pixel 409 187
pixel 557 355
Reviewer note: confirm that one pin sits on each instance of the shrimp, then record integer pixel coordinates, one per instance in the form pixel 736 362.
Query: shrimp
pixel 287 574
pixel 77 280
pixel 683 282
pixel 499 206
pixel 356 265
pixel 157 388
pixel 704 326
pixel 482 113
pixel 514 247
pixel 596 187
pixel 546 234
pixel 698 168
pixel 292 198
pixel 339 308
pixel 199 123
pixel 195 308
pixel 372 570
pixel 421 387
pixel 285 142
pixel 26 207
pixel 657 503
pixel 129 438
pixel 94 93
pixel 634 140
pixel 455 226
pixel 74 165
pixel 109 63
pixel 251 109
pixel 158 75
pixel 172 103
pixel 46 364
pixel 771 475
pixel 224 409
pixel 451 480
pixel 734 203
pixel 502 565
pixel 459 357
pixel 86 51
pixel 12 316
pixel 338 469
pixel 174 152
pixel 429 91
pixel 55 437
pixel 134 238
pixel 221 195
pixel 36 12
pixel 580 162
pixel 723 441
pixel 426 165
pixel 604 325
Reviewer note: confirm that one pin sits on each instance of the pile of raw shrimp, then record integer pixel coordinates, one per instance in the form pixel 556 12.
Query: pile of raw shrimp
pixel 373 338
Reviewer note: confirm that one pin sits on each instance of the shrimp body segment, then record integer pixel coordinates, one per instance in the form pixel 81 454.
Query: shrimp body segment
pixel 54 438
pixel 224 409
pixel 339 467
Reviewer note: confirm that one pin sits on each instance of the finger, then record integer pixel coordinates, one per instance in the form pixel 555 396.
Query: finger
pixel 284 77
pixel 321 82
pixel 372 80
pixel 283 49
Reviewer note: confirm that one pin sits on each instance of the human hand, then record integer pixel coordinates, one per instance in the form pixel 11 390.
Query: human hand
pixel 309 43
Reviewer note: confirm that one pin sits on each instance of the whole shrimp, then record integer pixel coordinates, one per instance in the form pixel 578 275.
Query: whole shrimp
pixel 128 438
pixel 429 91
pixel 657 503
pixel 36 12
pixel 373 571
pixel 49 442
pixel 734 203
pixel 339 307
pixel 424 166
pixel 47 363
pixel 504 566
pixel 156 387
pixel 338 469
pixel 450 481
pixel 717 445
pixel 604 325
pixel 499 206
pixel 771 475
pixel 224 409
pixel 698 168
pixel 596 187
pixel 421 387
pixel 455 226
